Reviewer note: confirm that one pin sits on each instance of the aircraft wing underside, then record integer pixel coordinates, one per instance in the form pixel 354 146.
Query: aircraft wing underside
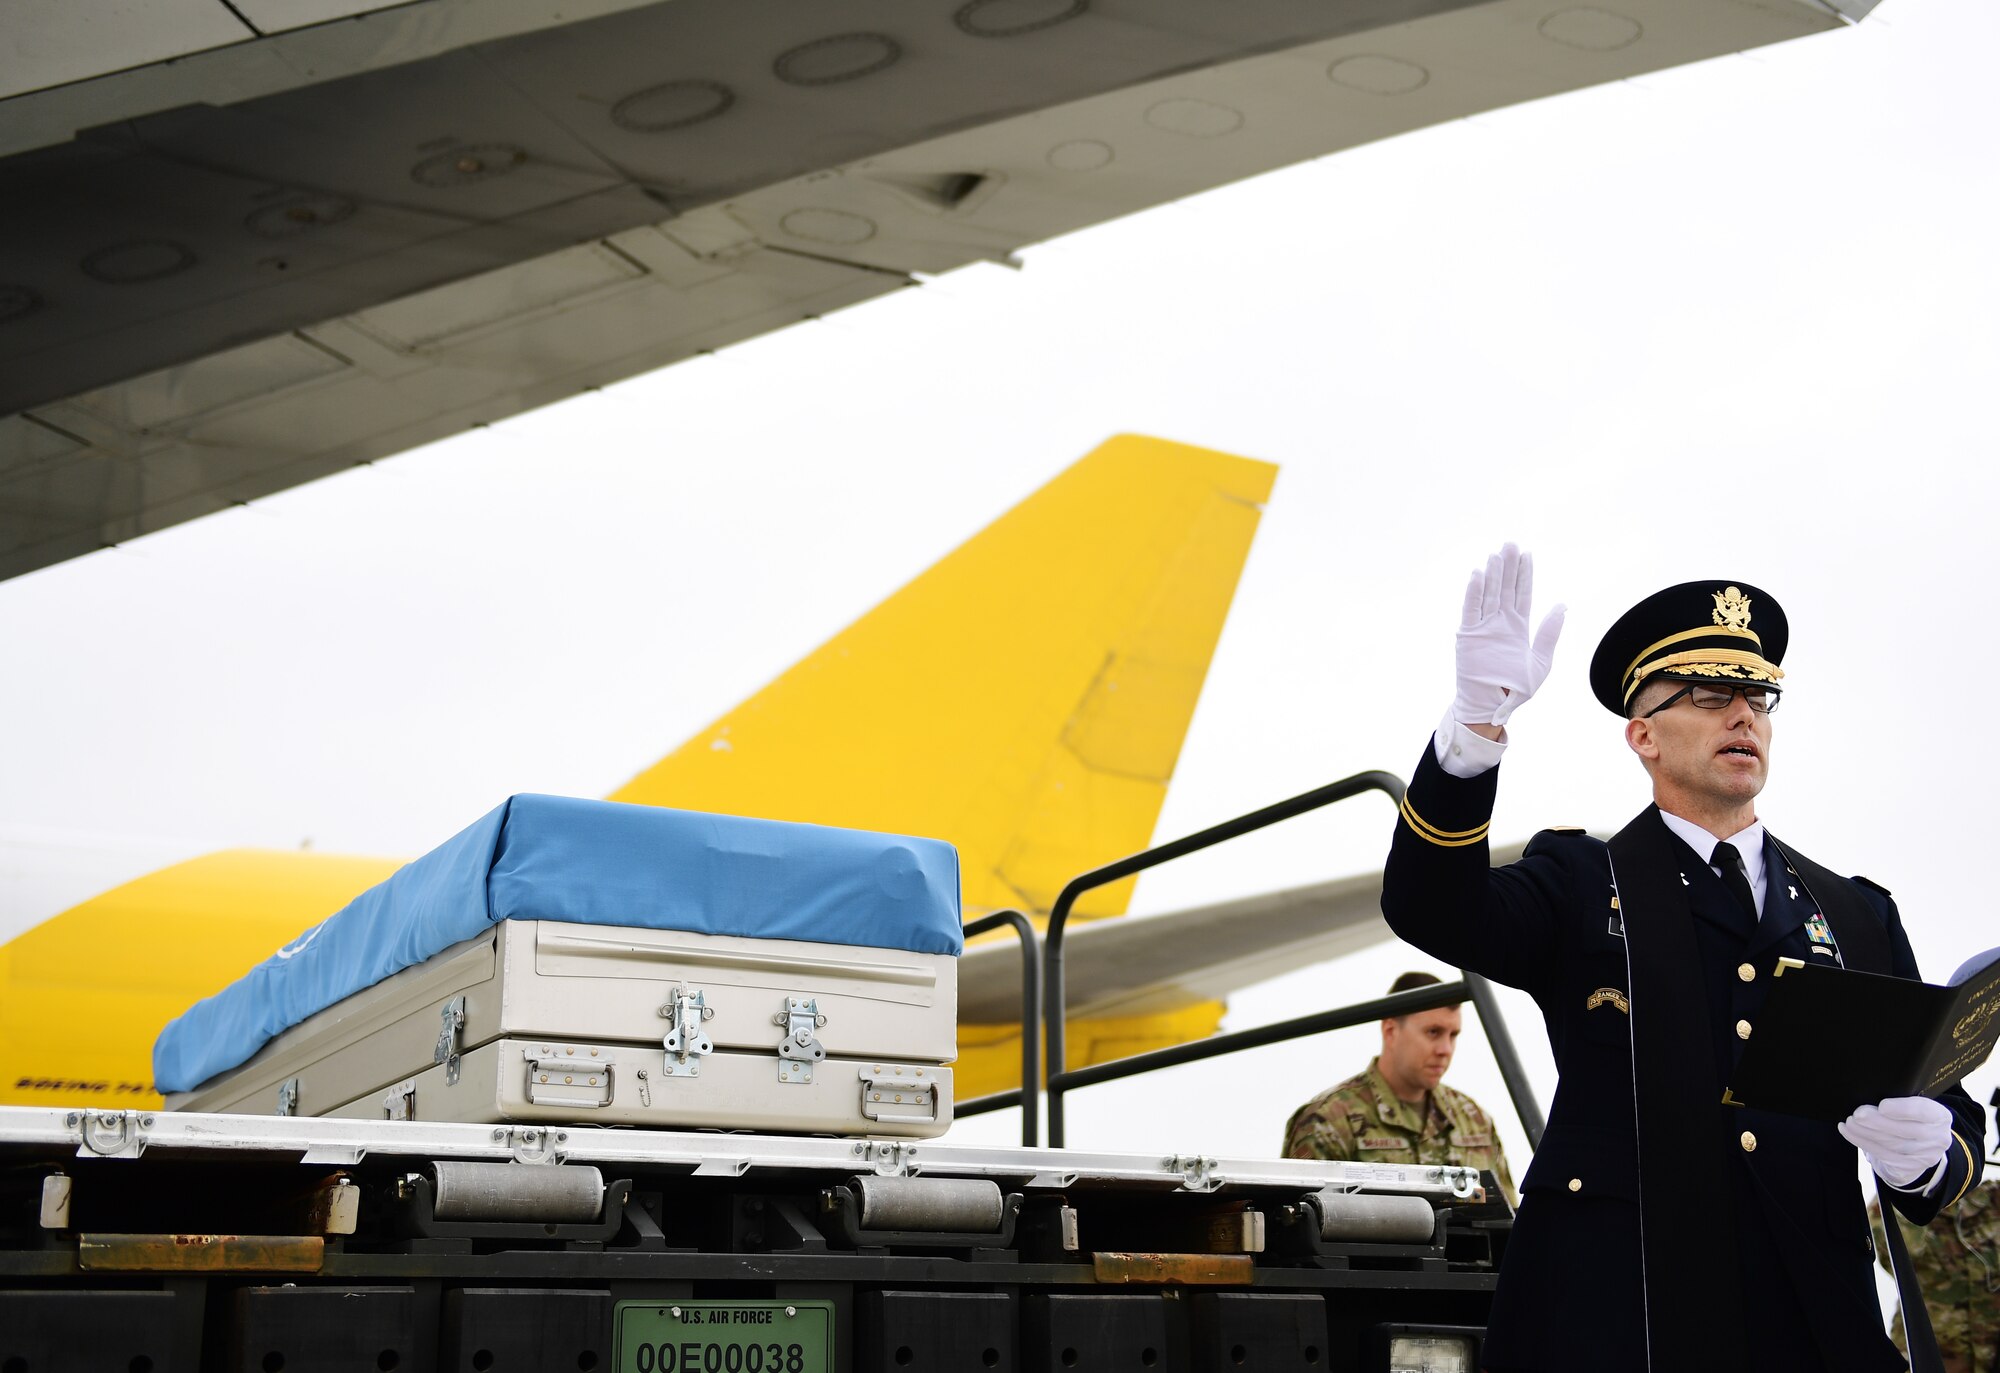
pixel 249 245
pixel 1158 964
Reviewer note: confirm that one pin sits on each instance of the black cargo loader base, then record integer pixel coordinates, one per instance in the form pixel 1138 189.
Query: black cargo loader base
pixel 149 1244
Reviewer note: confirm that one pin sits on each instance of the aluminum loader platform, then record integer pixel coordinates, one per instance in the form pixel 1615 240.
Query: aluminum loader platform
pixel 171 1242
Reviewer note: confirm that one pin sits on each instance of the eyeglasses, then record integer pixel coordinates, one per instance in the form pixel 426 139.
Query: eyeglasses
pixel 1708 696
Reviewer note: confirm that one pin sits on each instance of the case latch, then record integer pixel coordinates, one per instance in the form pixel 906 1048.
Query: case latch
pixel 561 1077
pixel 800 1048
pixel 686 1045
pixel 451 1020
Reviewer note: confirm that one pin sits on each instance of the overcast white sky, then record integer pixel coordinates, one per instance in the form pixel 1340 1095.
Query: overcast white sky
pixel 1736 320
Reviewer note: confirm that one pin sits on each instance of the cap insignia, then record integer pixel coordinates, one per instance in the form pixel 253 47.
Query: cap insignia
pixel 1732 608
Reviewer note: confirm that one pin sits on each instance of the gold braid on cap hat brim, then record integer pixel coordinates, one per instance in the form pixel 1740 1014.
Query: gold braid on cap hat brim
pixel 1699 632
pixel 1731 663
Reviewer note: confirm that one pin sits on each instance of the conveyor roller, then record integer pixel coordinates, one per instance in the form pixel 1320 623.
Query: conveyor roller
pixel 1375 1219
pixel 966 1205
pixel 547 1193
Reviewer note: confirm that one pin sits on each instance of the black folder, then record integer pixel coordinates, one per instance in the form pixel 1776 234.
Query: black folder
pixel 1830 1040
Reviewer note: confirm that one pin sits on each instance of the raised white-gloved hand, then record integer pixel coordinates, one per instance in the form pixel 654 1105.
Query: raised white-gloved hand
pixel 1904 1138
pixel 1498 666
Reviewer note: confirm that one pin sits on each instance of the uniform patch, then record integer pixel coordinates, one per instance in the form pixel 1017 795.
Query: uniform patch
pixel 1381 1142
pixel 1608 996
pixel 1817 931
pixel 1475 1141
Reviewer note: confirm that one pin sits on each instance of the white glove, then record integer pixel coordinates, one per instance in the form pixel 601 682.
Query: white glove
pixel 1498 668
pixel 1904 1138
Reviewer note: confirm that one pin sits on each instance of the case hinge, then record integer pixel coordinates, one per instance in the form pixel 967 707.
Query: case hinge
pixel 399 1102
pixel 800 1048
pixel 451 1021
pixel 686 1045
pixel 563 1078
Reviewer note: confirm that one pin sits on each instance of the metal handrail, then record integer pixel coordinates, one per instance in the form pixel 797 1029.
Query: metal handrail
pixel 1346 1017
pixel 1027 1096
pixel 1487 1003
pixel 1054 1004
pixel 1473 987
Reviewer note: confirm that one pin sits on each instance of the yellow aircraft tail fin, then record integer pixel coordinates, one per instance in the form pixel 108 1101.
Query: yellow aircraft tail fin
pixel 1024 698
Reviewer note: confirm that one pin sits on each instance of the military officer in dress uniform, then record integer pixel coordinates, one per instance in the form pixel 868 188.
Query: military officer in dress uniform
pixel 1398 1109
pixel 1661 1226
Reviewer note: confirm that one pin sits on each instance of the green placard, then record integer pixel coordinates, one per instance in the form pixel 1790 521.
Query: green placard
pixel 724 1337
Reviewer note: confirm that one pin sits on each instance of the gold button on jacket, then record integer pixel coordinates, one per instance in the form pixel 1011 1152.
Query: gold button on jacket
pixel 1749 1142
pixel 1746 972
pixel 1743 1029
pixel 1576 1184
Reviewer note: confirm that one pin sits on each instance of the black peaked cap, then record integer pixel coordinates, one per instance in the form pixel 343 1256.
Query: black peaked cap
pixel 1714 631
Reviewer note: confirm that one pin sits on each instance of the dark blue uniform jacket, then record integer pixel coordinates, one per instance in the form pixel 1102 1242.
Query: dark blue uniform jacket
pixel 1782 1280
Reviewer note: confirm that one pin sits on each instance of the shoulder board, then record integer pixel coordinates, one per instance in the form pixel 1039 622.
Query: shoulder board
pixel 1573 843
pixel 1872 884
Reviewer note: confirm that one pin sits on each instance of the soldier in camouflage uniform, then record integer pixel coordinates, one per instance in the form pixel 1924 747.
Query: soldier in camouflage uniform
pixel 1398 1111
pixel 1957 1262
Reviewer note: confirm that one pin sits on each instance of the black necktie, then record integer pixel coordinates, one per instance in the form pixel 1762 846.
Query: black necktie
pixel 1731 862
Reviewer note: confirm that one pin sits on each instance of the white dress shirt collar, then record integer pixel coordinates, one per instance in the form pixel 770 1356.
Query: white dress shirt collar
pixel 1749 843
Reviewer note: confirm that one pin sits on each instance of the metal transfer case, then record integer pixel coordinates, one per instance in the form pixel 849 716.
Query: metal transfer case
pixel 573 960
pixel 541 1020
